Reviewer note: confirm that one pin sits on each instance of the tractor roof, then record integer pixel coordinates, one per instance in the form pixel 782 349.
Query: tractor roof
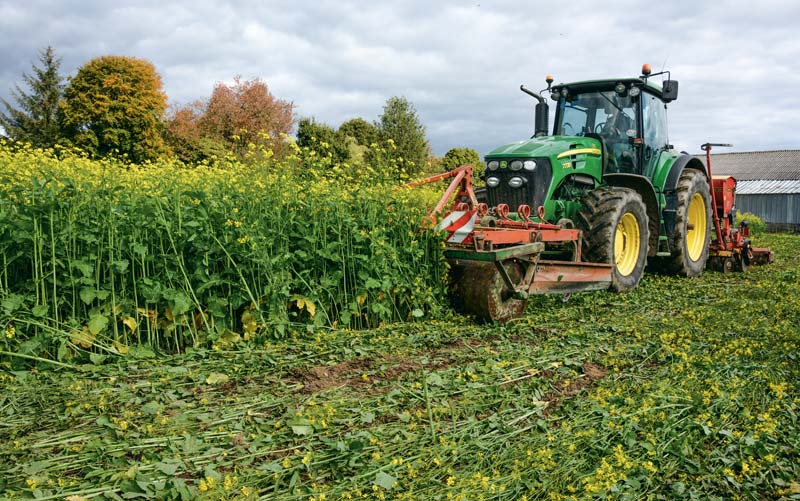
pixel 610 83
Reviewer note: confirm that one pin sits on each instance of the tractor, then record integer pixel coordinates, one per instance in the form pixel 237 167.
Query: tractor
pixel 586 208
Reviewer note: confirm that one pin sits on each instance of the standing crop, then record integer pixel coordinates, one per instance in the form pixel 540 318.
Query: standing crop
pixel 95 254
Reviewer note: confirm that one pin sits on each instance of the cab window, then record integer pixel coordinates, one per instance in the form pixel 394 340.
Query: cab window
pixel 608 115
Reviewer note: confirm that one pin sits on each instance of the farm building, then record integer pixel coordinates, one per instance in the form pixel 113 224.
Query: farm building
pixel 768 184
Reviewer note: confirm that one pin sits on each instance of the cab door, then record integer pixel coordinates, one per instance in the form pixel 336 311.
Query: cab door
pixel 655 140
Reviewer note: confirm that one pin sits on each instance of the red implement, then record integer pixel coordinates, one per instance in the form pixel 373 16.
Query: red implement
pixel 731 249
pixel 498 258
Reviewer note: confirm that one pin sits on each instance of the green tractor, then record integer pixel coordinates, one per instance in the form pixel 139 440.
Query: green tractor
pixel 609 170
pixel 596 201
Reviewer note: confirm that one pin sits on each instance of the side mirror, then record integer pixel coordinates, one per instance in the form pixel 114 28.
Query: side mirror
pixel 669 90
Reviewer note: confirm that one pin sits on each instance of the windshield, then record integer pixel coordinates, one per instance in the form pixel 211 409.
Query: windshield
pixel 600 112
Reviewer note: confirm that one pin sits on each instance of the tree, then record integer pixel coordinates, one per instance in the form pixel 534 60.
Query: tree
pixel 358 135
pixel 186 139
pixel 236 118
pixel 322 139
pixel 246 113
pixel 36 119
pixel 362 132
pixel 457 157
pixel 400 123
pixel 114 106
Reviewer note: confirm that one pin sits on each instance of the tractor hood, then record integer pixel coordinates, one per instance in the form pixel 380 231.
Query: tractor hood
pixel 543 146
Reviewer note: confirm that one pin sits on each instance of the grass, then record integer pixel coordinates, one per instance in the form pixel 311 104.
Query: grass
pixel 681 389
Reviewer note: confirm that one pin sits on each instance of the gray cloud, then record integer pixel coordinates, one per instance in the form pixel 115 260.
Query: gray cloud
pixel 459 63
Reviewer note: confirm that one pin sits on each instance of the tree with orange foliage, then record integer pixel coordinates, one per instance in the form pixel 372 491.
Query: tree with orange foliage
pixel 239 118
pixel 114 106
pixel 186 137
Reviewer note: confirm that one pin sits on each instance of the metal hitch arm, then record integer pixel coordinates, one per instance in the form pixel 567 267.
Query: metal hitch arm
pixel 462 179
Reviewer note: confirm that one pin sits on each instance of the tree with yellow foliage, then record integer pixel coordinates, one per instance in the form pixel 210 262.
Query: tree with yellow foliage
pixel 113 107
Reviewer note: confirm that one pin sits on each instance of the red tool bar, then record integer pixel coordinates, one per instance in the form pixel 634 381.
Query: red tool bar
pixel 499 236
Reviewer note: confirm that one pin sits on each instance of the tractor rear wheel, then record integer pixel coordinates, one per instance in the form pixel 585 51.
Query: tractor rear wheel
pixel 615 230
pixel 692 234
pixel 476 288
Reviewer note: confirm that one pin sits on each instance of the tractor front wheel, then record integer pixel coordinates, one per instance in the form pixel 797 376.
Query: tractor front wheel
pixel 615 230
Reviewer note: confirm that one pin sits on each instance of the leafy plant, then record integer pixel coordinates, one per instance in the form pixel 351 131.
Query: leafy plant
pixel 100 257
pixel 757 225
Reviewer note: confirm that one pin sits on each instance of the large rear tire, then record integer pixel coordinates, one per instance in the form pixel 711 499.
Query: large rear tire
pixel 693 225
pixel 615 230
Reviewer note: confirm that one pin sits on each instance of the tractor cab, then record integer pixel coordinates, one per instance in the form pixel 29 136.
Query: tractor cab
pixel 628 117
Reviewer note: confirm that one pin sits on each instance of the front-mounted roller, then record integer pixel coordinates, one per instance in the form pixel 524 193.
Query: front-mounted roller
pixel 478 288
pixel 492 288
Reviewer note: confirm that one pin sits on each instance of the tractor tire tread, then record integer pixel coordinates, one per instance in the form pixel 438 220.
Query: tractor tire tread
pixel 602 209
pixel 690 182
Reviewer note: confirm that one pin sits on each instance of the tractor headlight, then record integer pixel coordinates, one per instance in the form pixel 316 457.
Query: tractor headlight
pixel 492 182
pixel 634 91
pixel 515 165
pixel 493 165
pixel 530 165
pixel 555 95
pixel 516 182
pixel 620 89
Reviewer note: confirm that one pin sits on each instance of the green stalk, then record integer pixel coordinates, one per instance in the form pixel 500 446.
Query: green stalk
pixel 35 258
pixel 428 407
pixel 5 271
pixel 236 267
pixel 182 267
pixel 37 359
pixel 111 279
pixel 53 265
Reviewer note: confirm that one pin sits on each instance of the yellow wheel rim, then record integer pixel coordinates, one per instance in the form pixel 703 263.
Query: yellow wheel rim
pixel 627 244
pixel 696 227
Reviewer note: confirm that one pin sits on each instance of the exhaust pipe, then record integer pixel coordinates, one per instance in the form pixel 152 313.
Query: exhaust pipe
pixel 542 112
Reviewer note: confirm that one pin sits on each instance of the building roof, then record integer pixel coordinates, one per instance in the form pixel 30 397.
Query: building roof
pixel 764 187
pixel 757 165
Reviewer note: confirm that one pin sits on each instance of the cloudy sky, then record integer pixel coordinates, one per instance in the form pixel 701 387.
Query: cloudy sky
pixel 460 63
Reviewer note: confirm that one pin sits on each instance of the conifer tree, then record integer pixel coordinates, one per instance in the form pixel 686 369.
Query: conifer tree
pixel 35 120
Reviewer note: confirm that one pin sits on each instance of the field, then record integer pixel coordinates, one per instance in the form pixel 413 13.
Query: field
pixel 681 389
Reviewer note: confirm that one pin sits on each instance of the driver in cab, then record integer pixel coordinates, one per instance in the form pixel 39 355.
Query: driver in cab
pixel 617 124
pixel 615 132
